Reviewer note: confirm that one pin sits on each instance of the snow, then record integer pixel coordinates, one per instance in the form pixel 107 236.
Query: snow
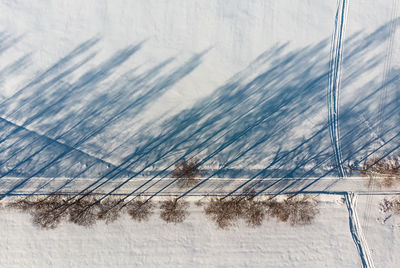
pixel 196 242
pixel 278 95
pixel 382 236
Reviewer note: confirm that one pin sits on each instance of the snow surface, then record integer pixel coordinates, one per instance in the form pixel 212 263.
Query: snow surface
pixel 113 93
pixel 196 242
pixel 381 231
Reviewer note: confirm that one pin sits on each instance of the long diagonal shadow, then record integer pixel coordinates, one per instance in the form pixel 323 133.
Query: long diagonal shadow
pixel 272 112
pixel 141 101
pixel 206 179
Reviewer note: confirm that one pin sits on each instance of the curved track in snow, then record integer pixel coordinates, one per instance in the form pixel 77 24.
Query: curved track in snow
pixel 335 68
pixel 334 82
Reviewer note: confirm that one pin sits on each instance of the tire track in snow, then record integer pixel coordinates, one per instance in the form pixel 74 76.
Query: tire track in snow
pixel 334 82
pixel 333 119
pixel 356 232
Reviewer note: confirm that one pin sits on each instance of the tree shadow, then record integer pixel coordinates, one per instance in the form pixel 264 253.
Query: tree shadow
pixel 268 121
pixel 48 125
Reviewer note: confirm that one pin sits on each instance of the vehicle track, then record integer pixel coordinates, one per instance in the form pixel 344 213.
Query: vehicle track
pixel 356 231
pixel 334 82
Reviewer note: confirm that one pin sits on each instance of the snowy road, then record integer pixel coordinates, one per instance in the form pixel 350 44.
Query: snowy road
pixel 214 186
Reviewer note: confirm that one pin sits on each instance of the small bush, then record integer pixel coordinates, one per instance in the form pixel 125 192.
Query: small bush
pixel 174 211
pixel 392 205
pixel 140 210
pixel 186 172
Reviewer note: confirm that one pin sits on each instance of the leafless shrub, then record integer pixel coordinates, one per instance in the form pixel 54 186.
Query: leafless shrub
pixel 48 214
pixel 186 172
pixel 392 205
pixel 382 172
pixel 225 212
pixel 110 209
pixel 254 213
pixel 174 211
pixel 296 211
pixel 140 210
pixel 83 211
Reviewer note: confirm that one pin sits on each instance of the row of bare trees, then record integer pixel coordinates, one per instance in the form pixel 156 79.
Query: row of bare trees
pixel 49 211
pixel 85 210
pixel 226 212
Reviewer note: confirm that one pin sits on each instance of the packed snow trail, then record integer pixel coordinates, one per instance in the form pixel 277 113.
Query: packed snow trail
pixel 356 231
pixel 334 82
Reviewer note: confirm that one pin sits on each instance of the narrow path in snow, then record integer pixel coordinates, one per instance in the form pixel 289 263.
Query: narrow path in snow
pixel 356 231
pixel 334 82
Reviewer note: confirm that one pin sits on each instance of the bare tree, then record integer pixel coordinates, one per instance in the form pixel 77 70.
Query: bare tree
pixel 110 209
pixel 382 172
pixel 140 210
pixel 186 172
pixel 225 212
pixel 254 213
pixel 174 211
pixel 46 212
pixel 296 211
pixel 84 210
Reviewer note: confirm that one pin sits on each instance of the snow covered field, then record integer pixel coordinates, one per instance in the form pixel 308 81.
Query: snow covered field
pixel 197 242
pixel 283 96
